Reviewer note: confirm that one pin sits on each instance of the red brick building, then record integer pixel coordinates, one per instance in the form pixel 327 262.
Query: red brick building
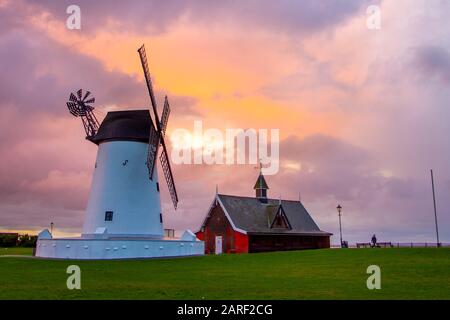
pixel 244 224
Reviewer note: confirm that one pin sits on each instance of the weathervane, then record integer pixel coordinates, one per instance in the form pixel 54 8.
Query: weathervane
pixel 260 165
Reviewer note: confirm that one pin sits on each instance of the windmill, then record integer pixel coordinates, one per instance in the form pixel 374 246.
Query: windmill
pixel 123 215
pixel 157 134
pixel 80 106
pixel 126 139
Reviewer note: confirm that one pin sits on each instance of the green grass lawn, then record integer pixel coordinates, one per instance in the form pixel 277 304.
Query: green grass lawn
pixel 16 251
pixel 316 274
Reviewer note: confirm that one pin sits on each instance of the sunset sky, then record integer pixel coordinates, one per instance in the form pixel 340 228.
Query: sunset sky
pixel 363 114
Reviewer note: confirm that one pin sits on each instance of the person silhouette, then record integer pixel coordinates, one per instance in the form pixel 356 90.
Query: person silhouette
pixel 374 240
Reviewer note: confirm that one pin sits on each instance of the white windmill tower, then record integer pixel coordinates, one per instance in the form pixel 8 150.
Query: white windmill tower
pixel 123 215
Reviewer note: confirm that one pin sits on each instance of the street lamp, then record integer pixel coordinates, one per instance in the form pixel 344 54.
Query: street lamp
pixel 435 214
pixel 339 209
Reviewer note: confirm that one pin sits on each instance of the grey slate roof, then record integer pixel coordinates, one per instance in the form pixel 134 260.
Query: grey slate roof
pixel 252 216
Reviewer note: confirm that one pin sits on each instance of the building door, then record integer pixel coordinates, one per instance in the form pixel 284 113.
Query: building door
pixel 218 244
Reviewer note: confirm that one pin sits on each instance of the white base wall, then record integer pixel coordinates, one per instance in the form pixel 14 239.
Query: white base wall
pixel 100 249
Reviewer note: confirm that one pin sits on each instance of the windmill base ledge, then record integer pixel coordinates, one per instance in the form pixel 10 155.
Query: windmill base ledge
pixel 117 248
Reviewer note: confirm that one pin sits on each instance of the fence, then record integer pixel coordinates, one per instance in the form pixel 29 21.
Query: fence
pixel 419 245
pixel 399 245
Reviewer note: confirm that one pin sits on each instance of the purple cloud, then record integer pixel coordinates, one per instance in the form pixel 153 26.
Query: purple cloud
pixel 156 16
pixel 433 62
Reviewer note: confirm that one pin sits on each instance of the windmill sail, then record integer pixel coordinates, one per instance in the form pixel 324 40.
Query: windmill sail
pixel 169 177
pixel 165 115
pixel 157 134
pixel 148 80
pixel 153 142
pixel 153 146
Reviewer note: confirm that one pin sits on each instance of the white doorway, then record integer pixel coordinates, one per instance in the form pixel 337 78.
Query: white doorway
pixel 218 244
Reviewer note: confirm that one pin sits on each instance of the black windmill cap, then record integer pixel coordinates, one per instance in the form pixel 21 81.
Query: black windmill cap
pixel 130 125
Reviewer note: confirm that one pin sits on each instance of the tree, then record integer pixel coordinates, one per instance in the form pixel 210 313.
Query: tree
pixel 26 240
pixel 8 239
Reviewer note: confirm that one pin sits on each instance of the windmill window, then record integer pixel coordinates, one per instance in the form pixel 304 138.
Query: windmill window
pixel 108 216
pixel 157 186
pixel 160 218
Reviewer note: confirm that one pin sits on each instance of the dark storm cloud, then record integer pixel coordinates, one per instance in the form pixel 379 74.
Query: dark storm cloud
pixel 14 15
pixel 33 88
pixel 46 164
pixel 38 73
pixel 35 216
pixel 157 16
pixel 332 171
pixel 35 79
pixel 331 166
pixel 433 62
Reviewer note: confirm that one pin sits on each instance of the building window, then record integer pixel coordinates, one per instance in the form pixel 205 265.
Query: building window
pixel 280 220
pixel 160 217
pixel 169 233
pixel 157 186
pixel 108 216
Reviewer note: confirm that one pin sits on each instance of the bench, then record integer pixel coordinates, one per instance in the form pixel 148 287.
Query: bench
pixel 378 245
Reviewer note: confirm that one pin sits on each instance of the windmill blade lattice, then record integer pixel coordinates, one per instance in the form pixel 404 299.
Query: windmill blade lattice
pixel 81 106
pixel 157 134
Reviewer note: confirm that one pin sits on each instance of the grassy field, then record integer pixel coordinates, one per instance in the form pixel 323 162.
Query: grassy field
pixel 319 274
pixel 16 251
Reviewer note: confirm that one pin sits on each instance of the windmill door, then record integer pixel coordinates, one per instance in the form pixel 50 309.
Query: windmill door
pixel 218 244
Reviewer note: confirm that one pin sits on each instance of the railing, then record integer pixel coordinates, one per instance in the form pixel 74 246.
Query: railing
pixel 399 245
pixel 420 245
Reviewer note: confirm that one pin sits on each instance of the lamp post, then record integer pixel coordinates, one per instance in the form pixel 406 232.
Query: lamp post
pixel 435 214
pixel 339 209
